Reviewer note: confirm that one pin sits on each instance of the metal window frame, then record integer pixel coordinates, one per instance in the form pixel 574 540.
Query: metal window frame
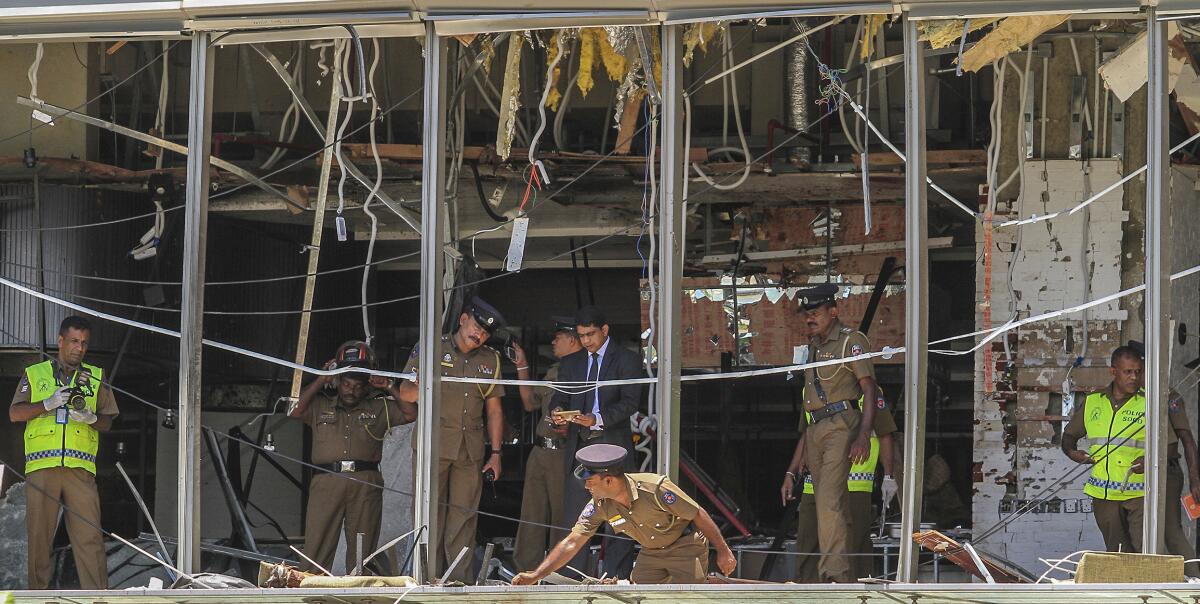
pixel 687 16
pixel 433 262
pixel 456 24
pixel 672 233
pixel 1157 240
pixel 191 321
pixel 916 294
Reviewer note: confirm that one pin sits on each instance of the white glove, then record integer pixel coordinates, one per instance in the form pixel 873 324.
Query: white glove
pixel 83 416
pixel 888 489
pixel 56 400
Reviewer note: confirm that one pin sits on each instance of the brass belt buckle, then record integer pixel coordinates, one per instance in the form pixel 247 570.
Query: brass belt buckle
pixel 347 466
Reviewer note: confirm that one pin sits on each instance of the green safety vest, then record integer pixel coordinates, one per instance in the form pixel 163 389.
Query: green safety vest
pixel 49 444
pixel 862 474
pixel 1117 438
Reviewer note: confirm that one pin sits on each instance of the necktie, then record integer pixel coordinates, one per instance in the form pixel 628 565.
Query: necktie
pixel 593 375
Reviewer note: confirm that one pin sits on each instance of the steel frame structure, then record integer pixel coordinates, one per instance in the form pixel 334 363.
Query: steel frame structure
pixel 670 212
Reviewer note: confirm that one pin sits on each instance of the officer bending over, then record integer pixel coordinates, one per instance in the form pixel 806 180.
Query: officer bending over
pixel 672 528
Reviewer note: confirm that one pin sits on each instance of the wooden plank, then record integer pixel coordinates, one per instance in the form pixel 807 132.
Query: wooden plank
pixel 887 159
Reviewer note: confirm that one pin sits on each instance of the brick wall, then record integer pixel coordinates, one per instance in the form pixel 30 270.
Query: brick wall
pixel 1019 378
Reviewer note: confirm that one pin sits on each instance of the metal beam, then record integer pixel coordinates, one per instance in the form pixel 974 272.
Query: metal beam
pixel 191 320
pixel 56 111
pixel 916 308
pixel 670 251
pixel 1158 282
pixel 308 111
pixel 433 262
pixel 318 228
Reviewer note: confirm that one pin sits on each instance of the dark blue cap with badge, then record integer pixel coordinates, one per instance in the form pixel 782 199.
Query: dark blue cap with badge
pixel 485 315
pixel 819 295
pixel 600 459
pixel 564 324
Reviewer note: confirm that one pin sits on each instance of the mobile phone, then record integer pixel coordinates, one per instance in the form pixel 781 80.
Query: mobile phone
pixel 510 353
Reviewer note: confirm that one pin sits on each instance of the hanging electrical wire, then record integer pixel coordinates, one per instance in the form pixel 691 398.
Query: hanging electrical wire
pixel 744 149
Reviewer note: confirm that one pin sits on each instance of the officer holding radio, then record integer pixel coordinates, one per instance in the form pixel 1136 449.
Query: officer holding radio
pixel 65 404
pixel 349 416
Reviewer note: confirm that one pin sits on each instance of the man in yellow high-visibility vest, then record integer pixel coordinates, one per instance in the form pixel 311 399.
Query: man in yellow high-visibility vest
pixel 65 404
pixel 1114 422
pixel 860 486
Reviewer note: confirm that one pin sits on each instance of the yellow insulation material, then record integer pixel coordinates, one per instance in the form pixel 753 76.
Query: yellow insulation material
pixel 941 34
pixel 614 63
pixel 587 59
pixel 870 30
pixel 697 36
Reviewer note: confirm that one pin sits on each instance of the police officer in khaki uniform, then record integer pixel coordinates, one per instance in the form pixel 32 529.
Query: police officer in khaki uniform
pixel 861 486
pixel 672 528
pixel 1176 541
pixel 838 433
pixel 463 458
pixel 348 427
pixel 542 498
pixel 65 404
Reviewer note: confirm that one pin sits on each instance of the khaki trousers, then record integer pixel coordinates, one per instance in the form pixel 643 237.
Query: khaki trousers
pixel 1120 523
pixel 541 503
pixel 861 517
pixel 685 561
pixel 1176 542
pixel 334 501
pixel 827 451
pixel 47 490
pixel 460 483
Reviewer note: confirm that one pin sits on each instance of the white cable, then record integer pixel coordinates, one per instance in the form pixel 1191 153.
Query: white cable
pixel 993 158
pixel 374 192
pixel 1021 77
pixel 853 138
pixel 561 112
pixel 887 352
pixel 160 118
pixel 737 119
pixel 290 123
pixel 33 72
pixel 858 109
pixel 213 343
pixel 537 135
pixel 341 60
pixel 1085 203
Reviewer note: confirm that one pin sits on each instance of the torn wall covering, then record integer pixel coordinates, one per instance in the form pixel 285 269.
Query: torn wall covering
pixel 1019 419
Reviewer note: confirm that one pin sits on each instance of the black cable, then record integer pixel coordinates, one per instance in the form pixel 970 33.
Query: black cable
pixel 215 283
pixel 362 61
pixel 483 200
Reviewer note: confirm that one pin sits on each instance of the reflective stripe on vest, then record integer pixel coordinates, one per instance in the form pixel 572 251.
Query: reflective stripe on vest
pixel 862 474
pixel 1117 440
pixel 49 444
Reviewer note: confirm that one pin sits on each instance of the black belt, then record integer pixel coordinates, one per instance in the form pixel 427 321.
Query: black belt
pixel 831 410
pixel 350 466
pixel 548 443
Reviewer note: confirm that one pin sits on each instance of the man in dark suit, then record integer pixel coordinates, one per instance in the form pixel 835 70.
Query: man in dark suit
pixel 603 416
